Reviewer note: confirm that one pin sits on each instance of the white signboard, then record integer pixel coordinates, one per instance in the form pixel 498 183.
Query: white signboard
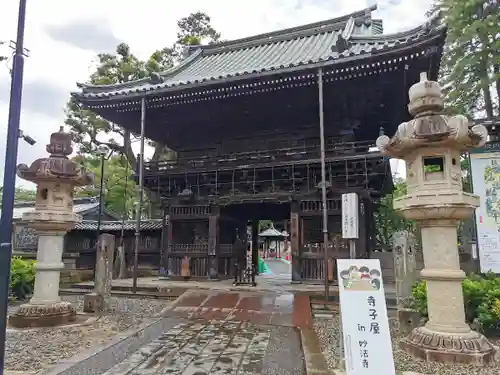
pixel 365 325
pixel 485 167
pixel 350 216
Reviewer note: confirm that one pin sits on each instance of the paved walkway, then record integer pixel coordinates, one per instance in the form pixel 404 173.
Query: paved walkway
pixel 236 333
pixel 260 308
pixel 279 270
pixel 264 284
pixel 216 348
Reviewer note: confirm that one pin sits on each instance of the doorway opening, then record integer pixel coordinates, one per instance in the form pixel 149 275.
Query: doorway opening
pixel 267 242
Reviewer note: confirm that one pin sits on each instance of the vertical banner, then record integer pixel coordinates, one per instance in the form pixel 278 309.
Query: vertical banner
pixel 350 216
pixel 485 169
pixel 365 324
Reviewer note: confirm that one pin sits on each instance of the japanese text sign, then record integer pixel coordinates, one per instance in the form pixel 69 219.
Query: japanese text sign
pixel 350 215
pixel 365 324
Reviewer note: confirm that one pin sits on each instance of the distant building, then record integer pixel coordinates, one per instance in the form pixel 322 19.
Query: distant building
pixel 80 243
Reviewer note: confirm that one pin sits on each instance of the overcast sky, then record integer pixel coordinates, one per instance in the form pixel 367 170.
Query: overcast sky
pixel 64 37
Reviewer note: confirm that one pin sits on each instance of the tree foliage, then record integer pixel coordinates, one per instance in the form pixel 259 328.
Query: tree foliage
pixel 22 195
pixel 119 188
pixel 471 58
pixel 90 130
pixel 387 220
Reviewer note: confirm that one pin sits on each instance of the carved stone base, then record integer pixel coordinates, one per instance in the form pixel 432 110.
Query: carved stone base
pixel 408 319
pixel 472 348
pixel 43 315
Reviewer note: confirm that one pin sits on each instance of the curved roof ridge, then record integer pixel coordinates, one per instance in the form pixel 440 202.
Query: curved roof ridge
pixel 273 36
pixel 216 63
pixel 166 73
pixel 292 32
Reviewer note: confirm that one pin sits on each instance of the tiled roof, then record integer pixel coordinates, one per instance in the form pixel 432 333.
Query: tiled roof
pixel 128 225
pixel 332 41
pixel 271 232
pixel 80 206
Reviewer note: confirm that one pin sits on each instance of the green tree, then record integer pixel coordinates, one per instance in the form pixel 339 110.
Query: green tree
pixel 22 195
pixel 194 29
pixel 471 58
pixel 387 220
pixel 119 188
pixel 90 130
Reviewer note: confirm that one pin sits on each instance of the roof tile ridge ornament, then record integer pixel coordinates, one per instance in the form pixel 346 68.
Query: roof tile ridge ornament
pixel 416 31
pixel 430 126
pixel 342 40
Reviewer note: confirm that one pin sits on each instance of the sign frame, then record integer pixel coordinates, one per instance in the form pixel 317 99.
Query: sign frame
pixel 365 322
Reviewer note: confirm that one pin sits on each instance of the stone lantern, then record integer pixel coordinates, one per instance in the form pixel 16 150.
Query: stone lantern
pixel 431 145
pixel 55 177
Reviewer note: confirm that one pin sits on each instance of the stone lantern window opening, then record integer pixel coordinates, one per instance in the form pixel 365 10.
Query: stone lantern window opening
pixel 433 168
pixel 44 193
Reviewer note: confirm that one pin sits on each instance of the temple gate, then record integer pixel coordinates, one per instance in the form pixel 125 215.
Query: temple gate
pixel 242 117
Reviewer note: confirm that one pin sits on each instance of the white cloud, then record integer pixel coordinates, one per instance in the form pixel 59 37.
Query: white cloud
pixel 147 25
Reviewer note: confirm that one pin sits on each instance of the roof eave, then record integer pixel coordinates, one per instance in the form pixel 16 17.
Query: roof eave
pixel 234 44
pixel 436 34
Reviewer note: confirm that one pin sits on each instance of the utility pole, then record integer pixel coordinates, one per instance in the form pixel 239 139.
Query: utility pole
pixel 323 180
pixel 9 177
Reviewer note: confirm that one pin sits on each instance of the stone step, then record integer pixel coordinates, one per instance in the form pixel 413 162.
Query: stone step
pixel 125 293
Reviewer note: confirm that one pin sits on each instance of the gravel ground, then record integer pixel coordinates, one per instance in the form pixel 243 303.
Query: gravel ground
pixel 328 334
pixel 32 350
pixel 284 354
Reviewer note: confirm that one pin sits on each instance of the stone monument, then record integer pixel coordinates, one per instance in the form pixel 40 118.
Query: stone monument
pixel 431 145
pixel 405 276
pixel 55 177
pixel 405 265
pixel 98 301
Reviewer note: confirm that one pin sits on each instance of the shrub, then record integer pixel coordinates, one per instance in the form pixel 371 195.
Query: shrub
pixel 22 278
pixel 481 300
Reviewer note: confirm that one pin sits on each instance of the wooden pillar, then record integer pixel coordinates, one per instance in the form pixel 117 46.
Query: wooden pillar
pixel 166 237
pixel 255 245
pixel 295 241
pixel 213 243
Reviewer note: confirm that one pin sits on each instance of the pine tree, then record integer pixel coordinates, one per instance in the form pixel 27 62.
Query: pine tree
pixel 471 58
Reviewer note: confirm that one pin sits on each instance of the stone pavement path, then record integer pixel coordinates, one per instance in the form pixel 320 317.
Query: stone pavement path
pixel 232 333
pixel 279 270
pixel 217 347
pixel 282 309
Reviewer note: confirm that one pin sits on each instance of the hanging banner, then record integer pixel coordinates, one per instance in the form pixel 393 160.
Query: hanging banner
pixel 485 170
pixel 365 324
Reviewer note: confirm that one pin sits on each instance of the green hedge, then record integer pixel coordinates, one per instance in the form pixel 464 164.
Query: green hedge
pixel 22 278
pixel 481 299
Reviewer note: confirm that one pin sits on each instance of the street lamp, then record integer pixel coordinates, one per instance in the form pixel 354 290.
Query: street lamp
pixel 9 176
